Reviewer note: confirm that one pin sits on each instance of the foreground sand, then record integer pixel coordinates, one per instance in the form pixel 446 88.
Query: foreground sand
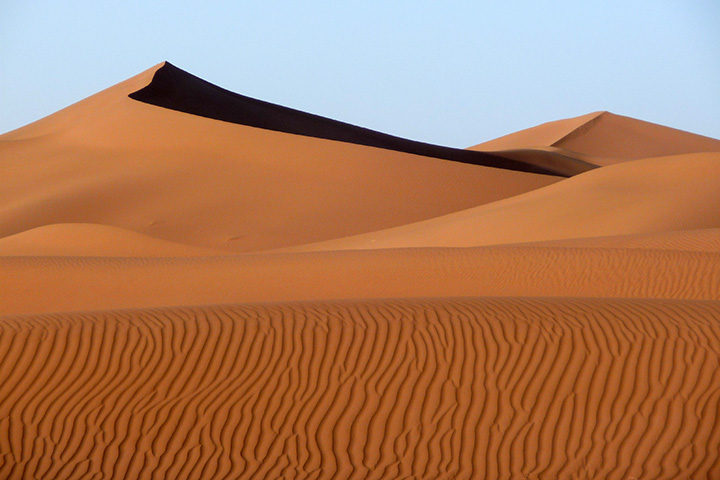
pixel 267 294
pixel 465 388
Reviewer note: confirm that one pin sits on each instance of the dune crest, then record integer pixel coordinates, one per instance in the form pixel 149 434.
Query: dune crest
pixel 176 89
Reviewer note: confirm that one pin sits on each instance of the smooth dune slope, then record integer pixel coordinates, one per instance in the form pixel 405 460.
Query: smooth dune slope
pixel 604 138
pixel 644 196
pixel 114 161
pixel 472 388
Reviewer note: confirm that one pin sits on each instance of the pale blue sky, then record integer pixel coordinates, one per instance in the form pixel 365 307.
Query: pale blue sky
pixel 454 72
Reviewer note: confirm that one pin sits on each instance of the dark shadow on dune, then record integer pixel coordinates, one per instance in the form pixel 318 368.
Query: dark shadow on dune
pixel 176 89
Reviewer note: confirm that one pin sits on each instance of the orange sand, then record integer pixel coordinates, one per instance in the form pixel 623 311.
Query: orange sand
pixel 184 297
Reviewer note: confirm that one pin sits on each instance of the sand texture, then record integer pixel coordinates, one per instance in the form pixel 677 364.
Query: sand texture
pixel 374 389
pixel 195 284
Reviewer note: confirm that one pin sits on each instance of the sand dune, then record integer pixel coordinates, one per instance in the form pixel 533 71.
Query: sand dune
pixel 434 389
pixel 645 196
pixel 195 284
pixel 607 138
pixel 85 240
pixel 111 160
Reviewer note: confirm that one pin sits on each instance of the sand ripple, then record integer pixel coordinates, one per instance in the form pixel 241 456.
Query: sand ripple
pixel 447 388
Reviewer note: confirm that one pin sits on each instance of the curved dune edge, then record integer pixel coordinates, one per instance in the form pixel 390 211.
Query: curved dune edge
pixel 89 283
pixel 645 196
pixel 444 388
pixel 93 240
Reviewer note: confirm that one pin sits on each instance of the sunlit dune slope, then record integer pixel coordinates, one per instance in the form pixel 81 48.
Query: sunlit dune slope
pixel 114 161
pixel 471 388
pixel 644 196
pixel 604 138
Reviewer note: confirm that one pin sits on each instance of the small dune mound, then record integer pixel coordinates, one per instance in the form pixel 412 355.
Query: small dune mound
pixel 88 240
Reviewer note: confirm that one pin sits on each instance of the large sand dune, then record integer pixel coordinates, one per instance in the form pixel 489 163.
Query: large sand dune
pixel 195 284
pixel 115 161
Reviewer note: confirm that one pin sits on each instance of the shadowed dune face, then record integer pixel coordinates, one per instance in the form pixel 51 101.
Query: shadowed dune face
pixel 176 89
pixel 376 389
pixel 199 285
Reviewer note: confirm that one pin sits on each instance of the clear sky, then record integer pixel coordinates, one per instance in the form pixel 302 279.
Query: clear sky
pixel 452 72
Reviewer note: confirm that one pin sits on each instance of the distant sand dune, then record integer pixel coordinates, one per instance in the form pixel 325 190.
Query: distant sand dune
pixel 605 135
pixel 486 388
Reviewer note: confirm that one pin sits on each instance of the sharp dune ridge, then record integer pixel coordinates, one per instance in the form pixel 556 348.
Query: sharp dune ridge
pixel 195 284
